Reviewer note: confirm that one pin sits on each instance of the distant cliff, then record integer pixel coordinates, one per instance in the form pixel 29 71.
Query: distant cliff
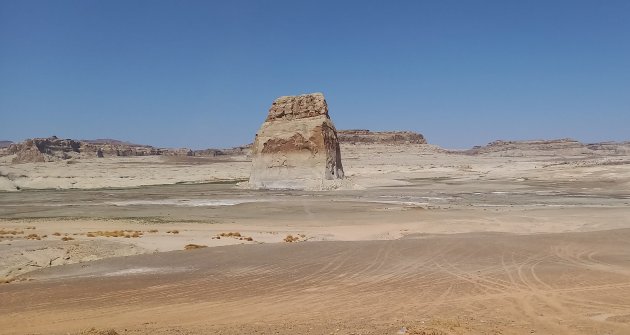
pixel 380 137
pixel 53 149
pixel 566 146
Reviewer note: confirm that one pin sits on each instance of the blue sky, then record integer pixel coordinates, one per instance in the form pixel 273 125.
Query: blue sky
pixel 204 73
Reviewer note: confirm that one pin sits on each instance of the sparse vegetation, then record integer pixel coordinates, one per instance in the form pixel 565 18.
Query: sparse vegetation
pixel 235 235
pixel 425 332
pixel 11 232
pixel 291 238
pixel 33 237
pixel 173 232
pixel 153 231
pixel 67 238
pixel 94 331
pixel 297 238
pixel 116 233
pixel 194 246
pixel 230 234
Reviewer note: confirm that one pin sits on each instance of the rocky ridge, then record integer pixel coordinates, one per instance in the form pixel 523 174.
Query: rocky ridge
pixel 54 149
pixel 566 146
pixel 355 136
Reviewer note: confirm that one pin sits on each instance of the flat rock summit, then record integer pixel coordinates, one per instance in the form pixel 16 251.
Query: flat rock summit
pixel 297 146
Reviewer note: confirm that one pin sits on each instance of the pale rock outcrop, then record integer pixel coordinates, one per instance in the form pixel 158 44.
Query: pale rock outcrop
pixel 296 147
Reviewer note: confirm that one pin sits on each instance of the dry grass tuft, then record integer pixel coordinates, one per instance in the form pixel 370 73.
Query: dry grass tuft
pixel 116 233
pixel 291 239
pixel 230 234
pixel 426 331
pixel 33 237
pixel 95 331
pixel 57 234
pixel 153 231
pixel 67 238
pixel 194 246
pixel 11 232
pixel 235 235
pixel 173 232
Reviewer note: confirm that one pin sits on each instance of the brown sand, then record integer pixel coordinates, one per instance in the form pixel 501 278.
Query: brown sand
pixel 568 283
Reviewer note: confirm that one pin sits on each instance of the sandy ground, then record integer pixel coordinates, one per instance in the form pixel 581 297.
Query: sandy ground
pixel 415 241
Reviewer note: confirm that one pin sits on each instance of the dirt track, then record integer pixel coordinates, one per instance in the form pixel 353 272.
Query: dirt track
pixel 571 283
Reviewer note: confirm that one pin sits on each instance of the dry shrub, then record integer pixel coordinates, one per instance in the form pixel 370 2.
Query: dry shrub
pixel 173 232
pixel 426 331
pixel 153 231
pixel 194 246
pixel 291 238
pixel 33 237
pixel 57 234
pixel 116 233
pixel 230 234
pixel 11 232
pixel 67 238
pixel 235 235
pixel 95 331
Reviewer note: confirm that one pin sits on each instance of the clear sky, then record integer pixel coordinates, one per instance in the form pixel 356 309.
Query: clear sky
pixel 204 73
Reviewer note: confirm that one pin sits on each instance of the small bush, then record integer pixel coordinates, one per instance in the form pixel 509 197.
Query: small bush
pixel 291 238
pixel 116 233
pixel 194 246
pixel 11 232
pixel 230 234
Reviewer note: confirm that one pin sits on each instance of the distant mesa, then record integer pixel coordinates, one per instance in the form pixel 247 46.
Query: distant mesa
pixel 297 146
pixel 43 149
pixel 52 149
pixel 355 136
pixel 567 146
pixel 5 144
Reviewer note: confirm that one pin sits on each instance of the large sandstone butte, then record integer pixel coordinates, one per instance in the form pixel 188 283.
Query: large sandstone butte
pixel 296 147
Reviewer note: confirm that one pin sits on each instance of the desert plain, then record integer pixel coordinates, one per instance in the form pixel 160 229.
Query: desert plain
pixel 512 238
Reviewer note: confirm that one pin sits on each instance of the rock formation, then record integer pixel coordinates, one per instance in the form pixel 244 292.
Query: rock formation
pixel 5 144
pixel 566 146
pixel 54 149
pixel 43 149
pixel 354 136
pixel 296 147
